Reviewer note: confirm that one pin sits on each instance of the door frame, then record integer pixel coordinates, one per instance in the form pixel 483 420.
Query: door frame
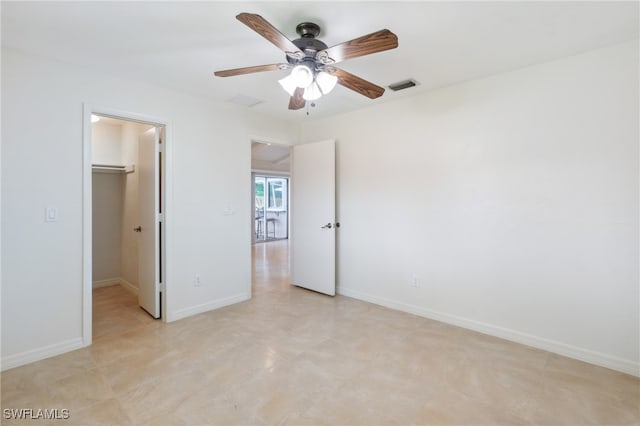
pixel 87 197
pixel 270 141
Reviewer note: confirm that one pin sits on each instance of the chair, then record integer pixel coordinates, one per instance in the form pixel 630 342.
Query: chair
pixel 271 220
pixel 259 216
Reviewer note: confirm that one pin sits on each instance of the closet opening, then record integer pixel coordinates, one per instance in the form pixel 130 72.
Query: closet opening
pixel 127 256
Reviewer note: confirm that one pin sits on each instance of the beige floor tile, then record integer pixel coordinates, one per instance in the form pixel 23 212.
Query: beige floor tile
pixel 572 407
pixel 129 372
pixel 377 394
pixel 215 411
pixel 48 370
pixel 80 390
pixel 515 388
pixel 562 372
pixel 112 349
pixel 270 398
pixel 161 396
pixel 108 412
pixel 449 407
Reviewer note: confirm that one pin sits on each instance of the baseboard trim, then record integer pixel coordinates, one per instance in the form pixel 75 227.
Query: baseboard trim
pixel 38 354
pixel 106 283
pixel 128 286
pixel 586 355
pixel 209 306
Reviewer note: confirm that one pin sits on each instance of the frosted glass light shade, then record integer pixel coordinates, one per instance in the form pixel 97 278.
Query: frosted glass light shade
pixel 326 81
pixel 288 84
pixel 312 92
pixel 302 76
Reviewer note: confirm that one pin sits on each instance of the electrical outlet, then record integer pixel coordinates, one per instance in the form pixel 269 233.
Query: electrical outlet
pixel 196 280
pixel 51 214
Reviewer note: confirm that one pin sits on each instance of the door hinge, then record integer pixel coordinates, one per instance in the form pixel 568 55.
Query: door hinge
pixel 160 217
pixel 160 147
pixel 161 287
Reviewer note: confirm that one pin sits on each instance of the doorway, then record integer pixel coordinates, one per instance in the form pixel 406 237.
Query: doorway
pixel 271 199
pixel 124 219
pixel 270 181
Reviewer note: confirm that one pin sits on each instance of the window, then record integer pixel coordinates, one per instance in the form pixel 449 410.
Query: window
pixel 277 194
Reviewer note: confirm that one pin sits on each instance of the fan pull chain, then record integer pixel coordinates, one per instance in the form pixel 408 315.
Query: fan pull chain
pixel 310 104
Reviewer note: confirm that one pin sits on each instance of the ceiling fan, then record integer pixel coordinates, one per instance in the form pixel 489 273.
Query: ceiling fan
pixel 313 73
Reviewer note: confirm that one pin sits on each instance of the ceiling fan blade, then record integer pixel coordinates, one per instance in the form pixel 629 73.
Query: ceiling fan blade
pixel 247 70
pixel 358 84
pixel 371 43
pixel 260 25
pixel 297 101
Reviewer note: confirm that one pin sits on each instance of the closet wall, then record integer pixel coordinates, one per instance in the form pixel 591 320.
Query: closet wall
pixel 115 204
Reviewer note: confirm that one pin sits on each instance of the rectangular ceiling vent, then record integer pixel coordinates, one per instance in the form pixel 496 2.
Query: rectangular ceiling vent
pixel 401 85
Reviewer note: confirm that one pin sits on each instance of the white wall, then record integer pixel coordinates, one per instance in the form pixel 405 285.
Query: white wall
pixel 107 225
pixel 514 199
pixel 42 163
pixel 106 143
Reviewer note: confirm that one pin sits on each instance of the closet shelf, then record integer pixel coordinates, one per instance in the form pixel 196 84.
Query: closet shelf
pixel 108 168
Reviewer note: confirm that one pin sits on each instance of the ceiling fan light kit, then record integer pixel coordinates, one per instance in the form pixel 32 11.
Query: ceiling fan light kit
pixel 312 92
pixel 326 81
pixel 288 84
pixel 302 75
pixel 311 61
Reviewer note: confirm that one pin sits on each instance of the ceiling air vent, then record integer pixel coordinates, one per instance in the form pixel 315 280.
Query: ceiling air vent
pixel 401 85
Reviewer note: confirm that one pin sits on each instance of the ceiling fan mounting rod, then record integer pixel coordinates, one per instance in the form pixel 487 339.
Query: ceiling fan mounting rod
pixel 308 30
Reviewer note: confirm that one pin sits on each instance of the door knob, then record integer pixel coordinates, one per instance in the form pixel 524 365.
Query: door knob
pixel 328 225
pixel 138 229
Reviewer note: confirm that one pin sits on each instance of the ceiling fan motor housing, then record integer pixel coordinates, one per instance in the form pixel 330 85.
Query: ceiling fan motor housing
pixel 307 43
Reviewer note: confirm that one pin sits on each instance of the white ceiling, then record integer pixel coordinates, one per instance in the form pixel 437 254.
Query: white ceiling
pixel 179 44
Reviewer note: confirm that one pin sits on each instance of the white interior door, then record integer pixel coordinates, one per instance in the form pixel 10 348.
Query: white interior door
pixel 148 247
pixel 313 225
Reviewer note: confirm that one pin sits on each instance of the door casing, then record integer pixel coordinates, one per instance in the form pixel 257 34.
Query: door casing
pixel 87 194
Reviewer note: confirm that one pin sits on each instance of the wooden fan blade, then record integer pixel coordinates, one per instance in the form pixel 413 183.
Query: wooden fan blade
pixel 247 70
pixel 358 84
pixel 371 43
pixel 260 25
pixel 297 101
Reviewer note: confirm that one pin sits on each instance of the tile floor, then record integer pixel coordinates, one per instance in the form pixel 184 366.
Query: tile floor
pixel 293 357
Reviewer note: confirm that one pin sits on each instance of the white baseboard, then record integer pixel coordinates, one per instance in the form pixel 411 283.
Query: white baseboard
pixel 38 354
pixel 205 307
pixel 586 355
pixel 115 281
pixel 128 286
pixel 106 283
